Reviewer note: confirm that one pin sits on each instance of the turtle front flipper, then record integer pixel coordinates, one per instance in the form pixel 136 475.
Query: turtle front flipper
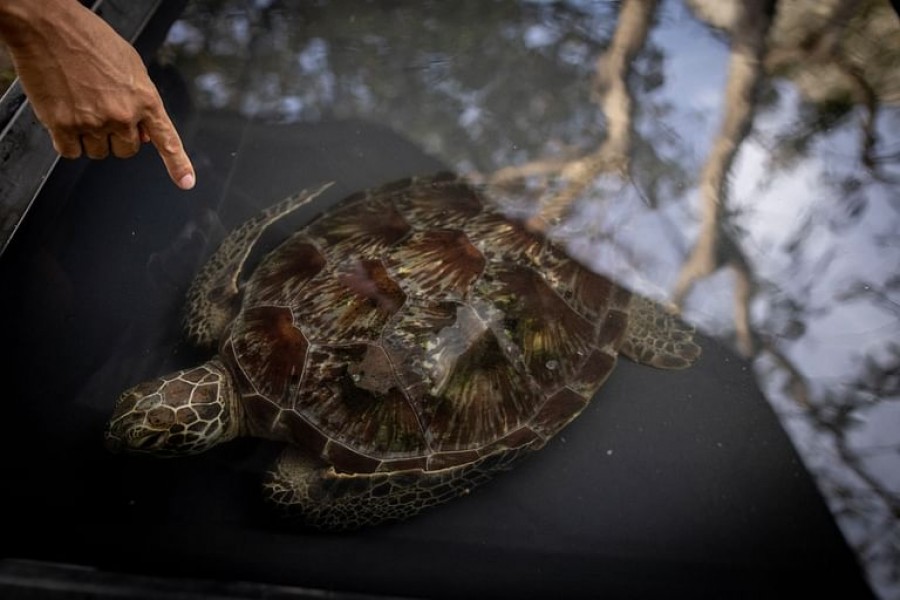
pixel 214 294
pixel 316 495
pixel 658 338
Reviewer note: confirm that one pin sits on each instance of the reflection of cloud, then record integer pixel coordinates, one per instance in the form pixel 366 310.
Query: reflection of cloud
pixel 313 58
pixel 537 36
pixel 217 93
pixel 707 99
pixel 469 116
pixel 696 68
pixel 877 438
pixel 617 234
pixel 772 207
pixel 186 35
pixel 795 205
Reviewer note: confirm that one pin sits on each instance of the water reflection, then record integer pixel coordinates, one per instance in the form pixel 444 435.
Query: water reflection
pixel 765 160
pixel 733 158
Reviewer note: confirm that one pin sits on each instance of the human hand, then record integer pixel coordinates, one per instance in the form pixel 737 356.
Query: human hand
pixel 88 86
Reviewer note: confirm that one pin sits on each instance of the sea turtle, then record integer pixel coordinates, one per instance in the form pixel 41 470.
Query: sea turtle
pixel 405 346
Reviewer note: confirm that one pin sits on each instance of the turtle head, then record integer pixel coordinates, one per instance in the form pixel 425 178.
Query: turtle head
pixel 186 412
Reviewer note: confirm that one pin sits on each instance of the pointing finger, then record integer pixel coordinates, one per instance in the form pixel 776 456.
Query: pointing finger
pixel 164 137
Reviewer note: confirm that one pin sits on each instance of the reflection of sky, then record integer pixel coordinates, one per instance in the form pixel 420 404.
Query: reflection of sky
pixel 695 72
pixel 776 209
pixel 774 214
pixel 696 68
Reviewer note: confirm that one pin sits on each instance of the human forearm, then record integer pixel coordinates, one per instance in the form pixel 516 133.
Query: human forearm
pixel 27 22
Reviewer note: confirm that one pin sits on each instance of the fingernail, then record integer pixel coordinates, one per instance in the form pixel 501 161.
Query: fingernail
pixel 186 182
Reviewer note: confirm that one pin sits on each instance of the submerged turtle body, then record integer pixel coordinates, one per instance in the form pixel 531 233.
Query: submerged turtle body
pixel 406 345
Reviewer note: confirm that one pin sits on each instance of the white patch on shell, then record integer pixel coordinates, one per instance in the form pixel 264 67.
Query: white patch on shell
pixel 444 349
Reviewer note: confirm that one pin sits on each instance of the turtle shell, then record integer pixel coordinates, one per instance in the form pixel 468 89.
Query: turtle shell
pixel 413 327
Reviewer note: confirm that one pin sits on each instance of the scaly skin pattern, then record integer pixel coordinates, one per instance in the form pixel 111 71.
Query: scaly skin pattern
pixel 322 498
pixel 185 412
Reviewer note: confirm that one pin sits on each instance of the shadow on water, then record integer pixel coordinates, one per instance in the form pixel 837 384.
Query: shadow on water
pixel 669 482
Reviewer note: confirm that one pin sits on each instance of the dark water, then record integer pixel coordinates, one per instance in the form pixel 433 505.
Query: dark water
pixel 670 482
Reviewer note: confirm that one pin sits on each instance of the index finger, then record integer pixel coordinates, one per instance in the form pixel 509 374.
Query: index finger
pixel 161 131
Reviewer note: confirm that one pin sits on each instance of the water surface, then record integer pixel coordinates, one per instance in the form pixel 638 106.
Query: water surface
pixel 738 166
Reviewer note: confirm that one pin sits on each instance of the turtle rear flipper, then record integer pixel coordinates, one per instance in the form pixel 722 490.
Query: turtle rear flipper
pixel 316 495
pixel 658 338
pixel 213 298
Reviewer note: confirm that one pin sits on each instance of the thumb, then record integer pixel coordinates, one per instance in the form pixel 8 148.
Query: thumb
pixel 161 132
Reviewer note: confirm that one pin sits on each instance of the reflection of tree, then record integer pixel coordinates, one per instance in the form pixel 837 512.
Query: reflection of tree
pixel 453 67
pixel 841 56
pixel 844 78
pixel 713 247
pixel 612 93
